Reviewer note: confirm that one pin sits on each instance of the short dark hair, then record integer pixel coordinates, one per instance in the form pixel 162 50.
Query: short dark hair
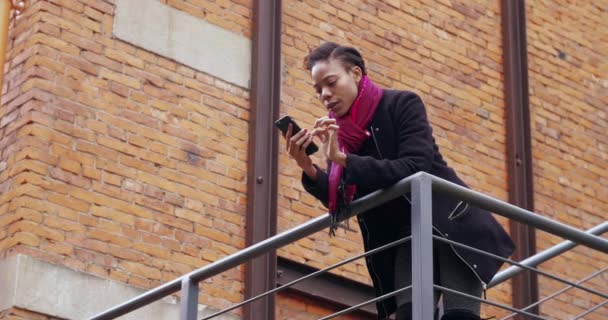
pixel 349 56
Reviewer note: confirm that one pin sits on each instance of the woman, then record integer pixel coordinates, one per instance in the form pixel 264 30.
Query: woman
pixel 373 138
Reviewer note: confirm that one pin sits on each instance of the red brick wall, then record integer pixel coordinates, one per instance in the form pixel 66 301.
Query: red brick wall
pixel 118 162
pixel 568 101
pixel 293 306
pixel 233 15
pixel 20 314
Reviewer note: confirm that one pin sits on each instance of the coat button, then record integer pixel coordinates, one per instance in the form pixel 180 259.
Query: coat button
pixel 475 266
pixel 446 235
pixel 377 129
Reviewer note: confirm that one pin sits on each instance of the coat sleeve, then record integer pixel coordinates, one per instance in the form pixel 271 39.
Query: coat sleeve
pixel 319 188
pixel 415 148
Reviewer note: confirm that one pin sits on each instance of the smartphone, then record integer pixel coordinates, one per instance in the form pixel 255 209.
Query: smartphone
pixel 283 125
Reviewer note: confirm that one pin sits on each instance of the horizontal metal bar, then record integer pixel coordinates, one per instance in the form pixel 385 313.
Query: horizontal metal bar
pixel 495 304
pixel 382 297
pixel 314 225
pixel 513 212
pixel 546 274
pixel 543 256
pixel 580 316
pixel 549 297
pixel 312 275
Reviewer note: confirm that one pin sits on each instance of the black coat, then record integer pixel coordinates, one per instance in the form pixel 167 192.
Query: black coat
pixel 403 144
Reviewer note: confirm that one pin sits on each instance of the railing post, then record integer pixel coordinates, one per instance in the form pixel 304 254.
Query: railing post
pixel 423 305
pixel 189 300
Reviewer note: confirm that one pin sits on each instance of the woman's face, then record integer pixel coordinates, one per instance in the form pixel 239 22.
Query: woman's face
pixel 336 85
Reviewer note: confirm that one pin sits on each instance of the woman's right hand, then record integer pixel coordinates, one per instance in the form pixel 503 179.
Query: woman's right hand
pixel 296 147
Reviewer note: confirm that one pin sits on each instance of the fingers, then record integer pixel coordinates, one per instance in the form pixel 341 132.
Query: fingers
pixel 300 142
pixel 295 143
pixel 324 121
pixel 320 133
pixel 289 132
pixel 292 139
pixel 307 142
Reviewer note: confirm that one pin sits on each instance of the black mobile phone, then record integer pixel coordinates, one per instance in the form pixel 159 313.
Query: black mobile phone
pixel 283 125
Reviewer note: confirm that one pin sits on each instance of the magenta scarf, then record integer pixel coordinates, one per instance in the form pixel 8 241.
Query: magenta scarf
pixel 351 136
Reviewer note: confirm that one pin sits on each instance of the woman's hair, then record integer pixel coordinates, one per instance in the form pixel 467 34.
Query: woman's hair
pixel 349 56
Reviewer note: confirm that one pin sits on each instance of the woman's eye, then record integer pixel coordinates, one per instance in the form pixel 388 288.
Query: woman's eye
pixel 331 84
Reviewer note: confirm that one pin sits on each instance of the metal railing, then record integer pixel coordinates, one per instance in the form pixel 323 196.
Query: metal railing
pixel 421 186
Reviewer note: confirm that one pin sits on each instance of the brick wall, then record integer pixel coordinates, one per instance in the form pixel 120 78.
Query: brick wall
pixel 119 162
pixel 116 161
pixel 568 99
pixel 20 314
pixel 294 306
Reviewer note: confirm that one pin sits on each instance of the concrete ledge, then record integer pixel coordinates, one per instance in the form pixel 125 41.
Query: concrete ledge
pixel 57 291
pixel 189 40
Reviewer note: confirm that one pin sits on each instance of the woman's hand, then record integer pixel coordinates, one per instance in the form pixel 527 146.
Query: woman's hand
pixel 296 147
pixel 326 130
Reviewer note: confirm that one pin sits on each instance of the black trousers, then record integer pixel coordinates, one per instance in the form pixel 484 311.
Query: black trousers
pixel 449 271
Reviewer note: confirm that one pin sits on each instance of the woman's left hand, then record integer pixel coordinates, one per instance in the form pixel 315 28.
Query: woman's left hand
pixel 326 130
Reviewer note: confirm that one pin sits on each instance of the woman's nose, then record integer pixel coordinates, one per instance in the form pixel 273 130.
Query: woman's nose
pixel 325 94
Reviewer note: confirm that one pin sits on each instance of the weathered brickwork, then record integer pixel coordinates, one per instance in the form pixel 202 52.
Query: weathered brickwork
pixel 233 15
pixel 116 161
pixel 293 306
pixel 20 314
pixel 121 163
pixel 568 61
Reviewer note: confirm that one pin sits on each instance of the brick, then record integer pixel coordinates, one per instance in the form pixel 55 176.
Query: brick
pixel 187 260
pixel 54 43
pixel 158 159
pixel 212 234
pixel 58 248
pixel 63 224
pixel 69 178
pixel 33 228
pixel 197 217
pixel 82 21
pixel 117 168
pixel 80 64
pixel 155 251
pixel 97 150
pixel 109 238
pixel 82 42
pixel 141 270
pixel 127 254
pixel 175 222
pixel 120 78
pixel 174 199
pixel 122 57
pixel 101 61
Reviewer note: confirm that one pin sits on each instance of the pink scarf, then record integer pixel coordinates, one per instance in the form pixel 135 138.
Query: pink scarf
pixel 351 136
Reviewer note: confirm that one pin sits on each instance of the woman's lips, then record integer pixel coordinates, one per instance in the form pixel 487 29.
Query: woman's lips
pixel 331 105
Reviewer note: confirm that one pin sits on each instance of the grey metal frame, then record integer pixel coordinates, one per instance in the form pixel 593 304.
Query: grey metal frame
pixel 422 185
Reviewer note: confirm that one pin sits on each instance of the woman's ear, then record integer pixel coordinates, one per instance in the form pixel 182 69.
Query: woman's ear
pixel 357 73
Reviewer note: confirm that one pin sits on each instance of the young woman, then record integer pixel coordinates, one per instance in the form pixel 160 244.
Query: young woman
pixel 373 138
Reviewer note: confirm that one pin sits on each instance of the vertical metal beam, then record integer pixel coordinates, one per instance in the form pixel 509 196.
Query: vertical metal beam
pixel 521 192
pixel 5 15
pixel 423 305
pixel 189 299
pixel 260 274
